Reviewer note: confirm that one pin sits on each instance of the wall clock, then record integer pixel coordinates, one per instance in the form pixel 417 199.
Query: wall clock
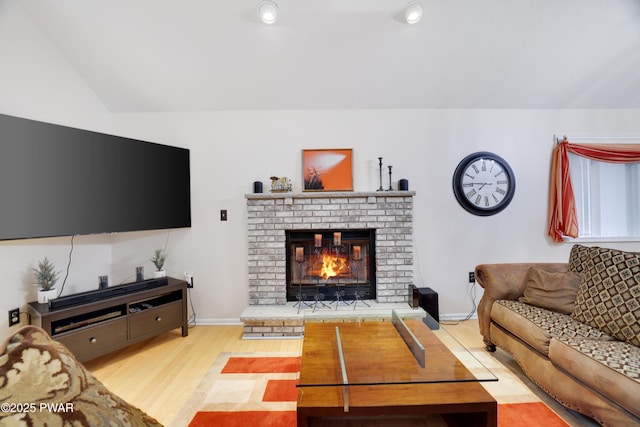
pixel 484 183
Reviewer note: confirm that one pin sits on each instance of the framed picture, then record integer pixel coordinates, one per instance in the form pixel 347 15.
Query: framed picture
pixel 327 169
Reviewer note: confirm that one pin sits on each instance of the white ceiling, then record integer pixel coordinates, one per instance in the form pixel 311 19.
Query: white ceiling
pixel 186 55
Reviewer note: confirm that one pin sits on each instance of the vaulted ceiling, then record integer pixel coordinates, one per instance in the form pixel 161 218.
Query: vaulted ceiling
pixel 189 55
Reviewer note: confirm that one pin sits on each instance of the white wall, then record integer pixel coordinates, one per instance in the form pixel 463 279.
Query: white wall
pixel 230 150
pixel 36 82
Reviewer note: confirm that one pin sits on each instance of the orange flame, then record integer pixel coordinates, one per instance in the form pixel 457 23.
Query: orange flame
pixel 332 266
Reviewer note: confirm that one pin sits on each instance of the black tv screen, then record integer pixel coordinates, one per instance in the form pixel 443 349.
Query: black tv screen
pixel 61 181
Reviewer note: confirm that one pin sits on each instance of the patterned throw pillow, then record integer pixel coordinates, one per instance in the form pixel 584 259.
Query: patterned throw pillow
pixel 578 258
pixel 36 370
pixel 609 293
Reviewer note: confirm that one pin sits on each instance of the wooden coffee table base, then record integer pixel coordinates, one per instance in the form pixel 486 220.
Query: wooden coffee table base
pixel 374 353
pixel 462 404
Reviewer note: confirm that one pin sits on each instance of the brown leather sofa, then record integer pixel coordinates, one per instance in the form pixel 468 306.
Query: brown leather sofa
pixel 543 315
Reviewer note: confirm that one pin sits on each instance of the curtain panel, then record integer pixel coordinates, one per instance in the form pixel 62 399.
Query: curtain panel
pixel 563 220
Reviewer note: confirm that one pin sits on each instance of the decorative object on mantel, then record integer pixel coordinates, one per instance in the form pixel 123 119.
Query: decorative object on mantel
pixel 280 185
pixel 257 187
pixel 45 278
pixel 390 179
pixel 158 259
pixel 103 282
pixel 403 185
pixel 327 169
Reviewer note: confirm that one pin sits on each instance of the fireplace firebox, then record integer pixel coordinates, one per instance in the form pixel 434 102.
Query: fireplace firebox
pixel 330 265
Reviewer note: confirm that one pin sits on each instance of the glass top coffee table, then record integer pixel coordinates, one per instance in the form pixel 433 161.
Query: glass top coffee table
pixel 389 369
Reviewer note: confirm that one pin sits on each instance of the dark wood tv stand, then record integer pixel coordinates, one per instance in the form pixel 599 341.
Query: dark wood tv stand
pixel 92 329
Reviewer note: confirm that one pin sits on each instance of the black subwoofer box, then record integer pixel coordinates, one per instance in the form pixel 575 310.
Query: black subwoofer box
pixel 429 302
pixel 414 296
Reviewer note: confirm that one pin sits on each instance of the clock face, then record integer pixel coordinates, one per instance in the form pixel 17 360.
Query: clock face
pixel 483 183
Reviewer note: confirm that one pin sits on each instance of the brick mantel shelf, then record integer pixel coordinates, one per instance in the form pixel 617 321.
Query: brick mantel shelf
pixel 269 215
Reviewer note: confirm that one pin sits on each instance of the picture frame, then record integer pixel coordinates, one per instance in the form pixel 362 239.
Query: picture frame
pixel 327 169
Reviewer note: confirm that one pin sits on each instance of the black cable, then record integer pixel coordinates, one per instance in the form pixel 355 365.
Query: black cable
pixel 472 294
pixel 166 242
pixel 192 319
pixel 68 266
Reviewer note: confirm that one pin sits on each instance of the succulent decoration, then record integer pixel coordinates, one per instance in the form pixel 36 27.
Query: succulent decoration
pixel 45 276
pixel 158 259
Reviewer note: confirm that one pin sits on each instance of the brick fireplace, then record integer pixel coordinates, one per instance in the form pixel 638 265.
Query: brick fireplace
pixel 389 214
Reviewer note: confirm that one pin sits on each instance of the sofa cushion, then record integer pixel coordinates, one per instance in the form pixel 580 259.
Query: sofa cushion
pixel 37 370
pixel 610 367
pixel 555 291
pixel 536 326
pixel 578 258
pixel 609 293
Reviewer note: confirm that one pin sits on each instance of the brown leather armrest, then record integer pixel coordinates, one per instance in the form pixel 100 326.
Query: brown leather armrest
pixel 504 281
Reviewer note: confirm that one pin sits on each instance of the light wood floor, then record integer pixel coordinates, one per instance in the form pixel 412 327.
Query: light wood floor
pixel 159 375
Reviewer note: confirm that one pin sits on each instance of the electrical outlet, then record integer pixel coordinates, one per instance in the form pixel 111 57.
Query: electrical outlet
pixel 472 277
pixel 188 277
pixel 14 316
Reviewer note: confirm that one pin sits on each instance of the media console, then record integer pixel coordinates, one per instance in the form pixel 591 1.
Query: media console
pixel 95 323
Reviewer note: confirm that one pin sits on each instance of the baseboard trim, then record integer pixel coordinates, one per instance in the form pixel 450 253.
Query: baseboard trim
pixel 235 321
pixel 219 322
pixel 457 317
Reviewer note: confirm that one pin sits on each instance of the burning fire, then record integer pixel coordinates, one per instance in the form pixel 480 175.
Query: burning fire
pixel 332 266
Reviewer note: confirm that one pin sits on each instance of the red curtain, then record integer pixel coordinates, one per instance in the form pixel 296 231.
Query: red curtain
pixel 562 205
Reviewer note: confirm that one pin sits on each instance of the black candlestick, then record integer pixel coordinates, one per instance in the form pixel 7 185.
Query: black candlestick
pixel 380 164
pixel 390 187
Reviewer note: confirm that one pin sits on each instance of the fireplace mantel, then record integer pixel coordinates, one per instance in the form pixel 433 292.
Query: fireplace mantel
pixel 269 215
pixel 329 194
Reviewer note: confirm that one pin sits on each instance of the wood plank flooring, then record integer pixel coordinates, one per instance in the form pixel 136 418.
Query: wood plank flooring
pixel 160 374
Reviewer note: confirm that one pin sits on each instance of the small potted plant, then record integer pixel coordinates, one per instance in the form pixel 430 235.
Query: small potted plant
pixel 158 259
pixel 45 278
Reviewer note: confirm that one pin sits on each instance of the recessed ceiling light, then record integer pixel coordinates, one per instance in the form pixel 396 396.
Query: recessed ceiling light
pixel 413 12
pixel 268 11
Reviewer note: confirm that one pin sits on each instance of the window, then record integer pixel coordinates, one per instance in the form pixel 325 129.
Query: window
pixel 607 197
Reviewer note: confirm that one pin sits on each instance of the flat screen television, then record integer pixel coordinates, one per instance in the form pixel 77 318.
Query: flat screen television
pixel 61 181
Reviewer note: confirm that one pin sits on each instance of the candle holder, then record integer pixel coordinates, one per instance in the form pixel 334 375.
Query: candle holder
pixel 300 262
pixel 357 259
pixel 390 187
pixel 319 297
pixel 380 165
pixel 340 292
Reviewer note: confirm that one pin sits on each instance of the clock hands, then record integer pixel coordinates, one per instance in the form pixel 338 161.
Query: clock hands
pixel 482 184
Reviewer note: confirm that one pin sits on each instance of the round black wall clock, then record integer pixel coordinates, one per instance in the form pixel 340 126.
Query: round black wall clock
pixel 484 183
